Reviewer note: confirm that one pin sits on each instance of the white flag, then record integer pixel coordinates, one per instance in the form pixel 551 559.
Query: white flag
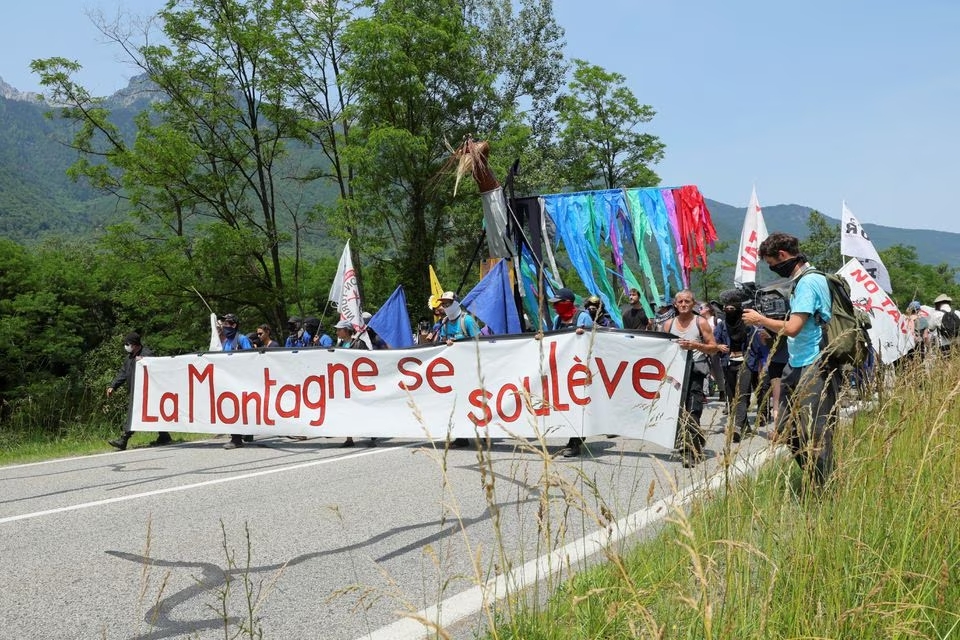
pixel 345 294
pixel 215 343
pixel 855 242
pixel 754 232
pixel 890 332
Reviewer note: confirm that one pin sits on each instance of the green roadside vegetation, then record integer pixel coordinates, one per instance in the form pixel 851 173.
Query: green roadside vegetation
pixel 24 448
pixel 872 556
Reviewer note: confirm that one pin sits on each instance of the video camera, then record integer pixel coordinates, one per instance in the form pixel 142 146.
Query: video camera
pixel 771 300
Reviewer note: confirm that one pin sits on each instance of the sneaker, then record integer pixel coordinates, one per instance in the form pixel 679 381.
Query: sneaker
pixel 161 440
pixel 737 436
pixel 459 442
pixel 347 443
pixel 570 452
pixel 119 443
pixel 248 438
pixel 234 444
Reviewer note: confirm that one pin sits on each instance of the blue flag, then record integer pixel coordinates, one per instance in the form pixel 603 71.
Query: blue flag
pixel 392 323
pixel 492 301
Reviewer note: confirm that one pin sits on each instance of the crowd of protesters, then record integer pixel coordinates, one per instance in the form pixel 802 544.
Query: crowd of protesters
pixel 737 353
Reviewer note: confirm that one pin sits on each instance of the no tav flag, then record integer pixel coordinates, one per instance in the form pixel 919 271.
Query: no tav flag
pixel 345 293
pixel 855 242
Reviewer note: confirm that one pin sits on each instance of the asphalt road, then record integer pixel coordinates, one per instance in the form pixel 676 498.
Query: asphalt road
pixel 154 542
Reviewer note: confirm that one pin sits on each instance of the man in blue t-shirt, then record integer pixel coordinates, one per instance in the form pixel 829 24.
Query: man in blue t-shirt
pixel 231 339
pixel 809 386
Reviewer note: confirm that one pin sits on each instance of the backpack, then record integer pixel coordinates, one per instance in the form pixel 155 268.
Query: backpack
pixel 845 339
pixel 950 325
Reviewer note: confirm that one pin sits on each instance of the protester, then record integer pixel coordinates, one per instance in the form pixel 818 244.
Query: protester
pixel 265 335
pixel 768 391
pixel 944 323
pixel 714 383
pixel 570 317
pixel 318 338
pixel 568 314
pixel 347 339
pixel 736 376
pixel 594 306
pixel 664 313
pixel 456 325
pixel 810 383
pixel 232 340
pixel 376 341
pixel 298 336
pixel 634 317
pixel 135 351
pixel 695 335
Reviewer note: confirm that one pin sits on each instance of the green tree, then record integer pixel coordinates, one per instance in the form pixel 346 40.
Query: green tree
pixel 712 280
pixel 421 82
pixel 600 132
pixel 203 174
pixel 914 281
pixel 822 244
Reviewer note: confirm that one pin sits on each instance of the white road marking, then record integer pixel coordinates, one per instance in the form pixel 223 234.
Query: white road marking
pixel 206 483
pixel 472 601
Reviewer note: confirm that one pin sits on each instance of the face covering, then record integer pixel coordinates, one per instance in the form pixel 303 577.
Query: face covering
pixel 785 268
pixel 564 309
pixel 128 348
pixel 945 308
pixel 733 314
pixel 453 311
pixel 230 333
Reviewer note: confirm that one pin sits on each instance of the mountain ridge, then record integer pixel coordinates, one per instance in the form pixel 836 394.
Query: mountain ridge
pixel 37 198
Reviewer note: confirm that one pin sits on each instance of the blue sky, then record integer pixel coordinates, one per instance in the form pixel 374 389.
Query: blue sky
pixel 812 102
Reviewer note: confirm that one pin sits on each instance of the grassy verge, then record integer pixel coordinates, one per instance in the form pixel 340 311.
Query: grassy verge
pixel 19 448
pixel 873 556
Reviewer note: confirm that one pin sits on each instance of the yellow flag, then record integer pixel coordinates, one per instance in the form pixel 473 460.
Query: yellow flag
pixel 436 290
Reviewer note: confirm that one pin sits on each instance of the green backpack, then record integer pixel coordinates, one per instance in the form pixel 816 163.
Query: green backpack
pixel 845 339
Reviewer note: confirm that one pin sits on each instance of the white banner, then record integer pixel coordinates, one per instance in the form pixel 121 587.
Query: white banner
pixel 890 334
pixel 754 232
pixel 609 382
pixel 855 242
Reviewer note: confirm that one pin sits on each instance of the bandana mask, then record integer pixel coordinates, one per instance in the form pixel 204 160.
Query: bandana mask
pixel 453 311
pixel 564 309
pixel 785 268
pixel 230 332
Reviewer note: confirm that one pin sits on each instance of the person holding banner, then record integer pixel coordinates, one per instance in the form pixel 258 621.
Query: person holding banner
pixel 232 340
pixel 570 316
pixel 135 351
pixel 346 339
pixel 695 334
pixel 456 325
pixel 810 385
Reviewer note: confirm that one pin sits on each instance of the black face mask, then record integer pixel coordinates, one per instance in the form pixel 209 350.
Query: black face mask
pixel 785 268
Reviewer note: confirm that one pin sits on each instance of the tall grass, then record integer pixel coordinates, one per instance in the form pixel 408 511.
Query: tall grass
pixel 876 554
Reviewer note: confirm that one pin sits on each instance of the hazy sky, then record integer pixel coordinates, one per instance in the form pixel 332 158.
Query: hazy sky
pixel 812 102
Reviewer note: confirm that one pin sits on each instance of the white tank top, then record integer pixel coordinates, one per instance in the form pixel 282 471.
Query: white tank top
pixel 691 332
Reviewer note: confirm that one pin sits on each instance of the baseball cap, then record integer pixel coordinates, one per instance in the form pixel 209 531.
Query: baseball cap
pixel 563 294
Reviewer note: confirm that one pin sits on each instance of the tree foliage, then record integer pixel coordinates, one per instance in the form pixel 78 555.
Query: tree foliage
pixel 601 138
pixel 822 245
